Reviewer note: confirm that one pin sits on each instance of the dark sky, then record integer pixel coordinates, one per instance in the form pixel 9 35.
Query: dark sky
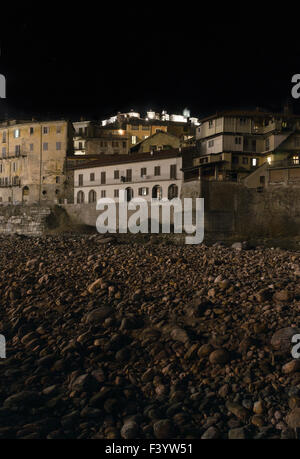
pixel 94 62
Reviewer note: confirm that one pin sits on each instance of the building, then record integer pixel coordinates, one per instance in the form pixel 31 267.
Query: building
pixel 146 175
pixel 156 142
pixel 138 128
pixel 33 161
pixel 233 144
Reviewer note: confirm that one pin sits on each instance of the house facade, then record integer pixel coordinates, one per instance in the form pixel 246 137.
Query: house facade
pixel 156 175
pixel 232 144
pixel 33 161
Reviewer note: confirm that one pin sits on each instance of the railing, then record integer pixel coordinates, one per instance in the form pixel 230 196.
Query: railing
pixel 285 163
pixel 119 181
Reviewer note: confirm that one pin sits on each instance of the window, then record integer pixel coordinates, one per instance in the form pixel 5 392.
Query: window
pixel 80 179
pixel 58 145
pixel 128 175
pixel 92 196
pixel 145 128
pixel 173 171
pixel 143 191
pixel 4 137
pixel 80 197
pixel 297 142
pixel 14 167
pixel 103 193
pixel 1 168
pixel 143 171
pixel 4 152
pixel 45 130
pixel 116 175
pixel 58 129
pixel 31 147
pixel 243 120
pixel 31 131
pixel 254 161
pixel 103 178
pixel 296 160
pixel 238 140
pixel 210 124
pixel 157 170
pixel 267 144
pixel 17 150
pixel 16 133
pixel 173 192
pixel 245 160
pixel 45 146
pixel 210 143
pixel 124 144
pixel 57 179
pixel 115 144
pixel 133 139
pixel 92 177
pixel 135 127
pixel 269 159
pixel 116 193
pixel 235 160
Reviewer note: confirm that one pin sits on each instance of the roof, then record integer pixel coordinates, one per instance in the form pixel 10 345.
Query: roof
pixel 248 114
pixel 168 134
pixel 110 160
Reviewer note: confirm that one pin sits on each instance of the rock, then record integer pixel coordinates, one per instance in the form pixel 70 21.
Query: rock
pixel 258 407
pixel 130 430
pixel 98 315
pixel 282 296
pixel 237 246
pixel 163 429
pixel 211 433
pixel 239 411
pixel 293 418
pixel 204 351
pixel 178 334
pixel 219 356
pixel 281 340
pixel 237 434
pixel 291 367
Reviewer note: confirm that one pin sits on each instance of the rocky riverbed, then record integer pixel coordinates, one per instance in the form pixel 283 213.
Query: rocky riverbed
pixel 110 339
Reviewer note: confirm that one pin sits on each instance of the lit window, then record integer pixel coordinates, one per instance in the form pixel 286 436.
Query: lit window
pixel 295 159
pixel 269 159
pixel 17 133
pixel 254 162
pixel 133 139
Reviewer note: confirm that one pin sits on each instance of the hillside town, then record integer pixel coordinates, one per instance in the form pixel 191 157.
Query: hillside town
pixel 64 162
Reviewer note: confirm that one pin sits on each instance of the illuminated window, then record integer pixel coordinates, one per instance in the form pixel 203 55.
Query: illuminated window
pixel 16 133
pixel 254 162
pixel 133 139
pixel 296 159
pixel 269 159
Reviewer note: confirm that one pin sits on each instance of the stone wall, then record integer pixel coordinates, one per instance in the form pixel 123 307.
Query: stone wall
pixel 26 220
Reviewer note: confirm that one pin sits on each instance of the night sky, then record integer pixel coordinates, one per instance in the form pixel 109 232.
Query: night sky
pixel 94 63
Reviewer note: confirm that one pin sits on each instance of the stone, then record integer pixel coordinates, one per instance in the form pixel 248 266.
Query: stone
pixel 219 356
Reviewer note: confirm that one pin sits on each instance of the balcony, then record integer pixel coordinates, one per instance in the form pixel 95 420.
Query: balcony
pixel 289 162
pixel 133 180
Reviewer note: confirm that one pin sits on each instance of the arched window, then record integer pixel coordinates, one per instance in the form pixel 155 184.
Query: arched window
pixel 129 194
pixel 157 192
pixel 173 191
pixel 80 197
pixel 92 196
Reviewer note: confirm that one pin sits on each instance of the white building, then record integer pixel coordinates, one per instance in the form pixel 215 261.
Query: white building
pixel 146 175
